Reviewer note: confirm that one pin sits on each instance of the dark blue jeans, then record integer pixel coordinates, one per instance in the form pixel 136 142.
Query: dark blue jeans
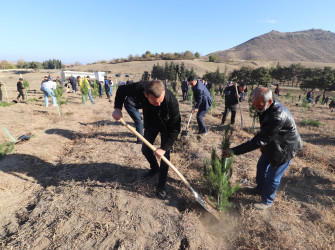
pixel 150 134
pixel 135 115
pixel 268 178
pixel 200 119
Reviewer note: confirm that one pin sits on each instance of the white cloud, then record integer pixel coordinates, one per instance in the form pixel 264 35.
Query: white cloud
pixel 268 20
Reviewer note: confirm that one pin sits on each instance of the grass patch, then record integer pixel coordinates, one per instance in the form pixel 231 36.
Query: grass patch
pixel 6 148
pixel 5 104
pixel 32 100
pixel 311 123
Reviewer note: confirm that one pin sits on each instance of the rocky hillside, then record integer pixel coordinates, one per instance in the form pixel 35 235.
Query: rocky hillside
pixel 314 45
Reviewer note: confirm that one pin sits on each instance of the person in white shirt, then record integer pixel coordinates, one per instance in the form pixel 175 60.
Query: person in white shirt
pixel 48 90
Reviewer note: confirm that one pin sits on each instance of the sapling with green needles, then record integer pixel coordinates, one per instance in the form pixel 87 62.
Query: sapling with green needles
pixel 217 173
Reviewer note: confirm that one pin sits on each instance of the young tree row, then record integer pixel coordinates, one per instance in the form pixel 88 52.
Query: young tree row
pixel 171 72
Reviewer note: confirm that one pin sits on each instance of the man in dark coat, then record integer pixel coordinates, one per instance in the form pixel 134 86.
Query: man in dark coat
pixel 202 100
pixel 73 82
pixel 278 140
pixel 161 115
pixel 231 101
pixel 20 88
pixel 0 91
pixel 184 89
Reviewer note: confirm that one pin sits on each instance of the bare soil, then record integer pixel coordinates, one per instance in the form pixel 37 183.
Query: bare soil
pixel 75 184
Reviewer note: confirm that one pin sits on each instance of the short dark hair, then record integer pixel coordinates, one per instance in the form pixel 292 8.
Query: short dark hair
pixel 242 85
pixel 20 79
pixel 154 87
pixel 191 78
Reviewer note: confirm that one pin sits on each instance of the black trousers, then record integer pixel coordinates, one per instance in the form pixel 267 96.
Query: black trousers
pixel 150 134
pixel 20 94
pixel 227 109
pixel 107 91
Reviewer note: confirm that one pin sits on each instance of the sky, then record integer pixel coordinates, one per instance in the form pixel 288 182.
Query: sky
pixel 90 31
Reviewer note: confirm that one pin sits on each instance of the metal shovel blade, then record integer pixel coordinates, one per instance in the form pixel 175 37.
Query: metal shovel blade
pixel 200 200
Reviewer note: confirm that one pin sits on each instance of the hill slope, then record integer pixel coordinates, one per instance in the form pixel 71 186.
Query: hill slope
pixel 311 45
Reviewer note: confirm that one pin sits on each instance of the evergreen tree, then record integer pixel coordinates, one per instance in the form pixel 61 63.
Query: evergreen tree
pixel 218 172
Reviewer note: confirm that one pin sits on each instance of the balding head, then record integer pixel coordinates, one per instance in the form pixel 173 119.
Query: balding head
pixel 262 98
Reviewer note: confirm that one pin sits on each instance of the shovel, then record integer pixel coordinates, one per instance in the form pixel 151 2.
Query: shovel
pixel 185 132
pixel 197 196
pixel 239 107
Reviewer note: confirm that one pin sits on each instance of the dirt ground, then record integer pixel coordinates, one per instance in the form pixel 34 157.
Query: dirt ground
pixel 75 184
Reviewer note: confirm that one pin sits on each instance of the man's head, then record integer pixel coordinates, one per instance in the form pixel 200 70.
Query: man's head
pixel 154 91
pixel 20 79
pixel 192 80
pixel 242 87
pixel 262 99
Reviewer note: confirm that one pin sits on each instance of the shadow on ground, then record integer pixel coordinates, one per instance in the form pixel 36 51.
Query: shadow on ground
pixel 90 175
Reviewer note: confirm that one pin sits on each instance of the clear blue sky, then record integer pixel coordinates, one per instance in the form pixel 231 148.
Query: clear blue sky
pixel 88 31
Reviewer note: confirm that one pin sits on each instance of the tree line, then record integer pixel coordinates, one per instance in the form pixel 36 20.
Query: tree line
pixel 170 71
pixel 294 75
pixel 21 64
pixel 148 56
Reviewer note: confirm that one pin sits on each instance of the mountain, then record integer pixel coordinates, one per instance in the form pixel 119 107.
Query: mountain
pixel 314 45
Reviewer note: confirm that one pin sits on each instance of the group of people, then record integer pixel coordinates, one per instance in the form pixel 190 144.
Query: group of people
pixel 310 97
pixel 278 138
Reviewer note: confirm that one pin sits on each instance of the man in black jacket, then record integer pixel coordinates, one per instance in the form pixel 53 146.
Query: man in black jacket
pixel 184 89
pixel 278 139
pixel 20 88
pixel 231 101
pixel 161 115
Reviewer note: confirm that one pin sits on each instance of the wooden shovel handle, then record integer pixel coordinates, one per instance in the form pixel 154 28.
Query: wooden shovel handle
pixel 154 149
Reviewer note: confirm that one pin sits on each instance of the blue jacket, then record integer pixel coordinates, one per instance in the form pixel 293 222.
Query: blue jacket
pixel 202 97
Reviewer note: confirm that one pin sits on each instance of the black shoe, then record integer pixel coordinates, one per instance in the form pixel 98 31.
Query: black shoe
pixel 150 174
pixel 161 193
pixel 253 191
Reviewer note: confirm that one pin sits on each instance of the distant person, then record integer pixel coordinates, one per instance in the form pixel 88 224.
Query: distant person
pixel 326 100
pixel 50 77
pixel 73 82
pixel 48 88
pixel 166 83
pixel 332 105
pixel 106 85
pixel 83 83
pixel 58 81
pixel 317 99
pixel 310 96
pixel 203 101
pixel 323 99
pixel 20 89
pixel 110 86
pixel 0 92
pixel 184 89
pixel 128 81
pixel 174 86
pixel 231 101
pixel 221 88
pixel 277 90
